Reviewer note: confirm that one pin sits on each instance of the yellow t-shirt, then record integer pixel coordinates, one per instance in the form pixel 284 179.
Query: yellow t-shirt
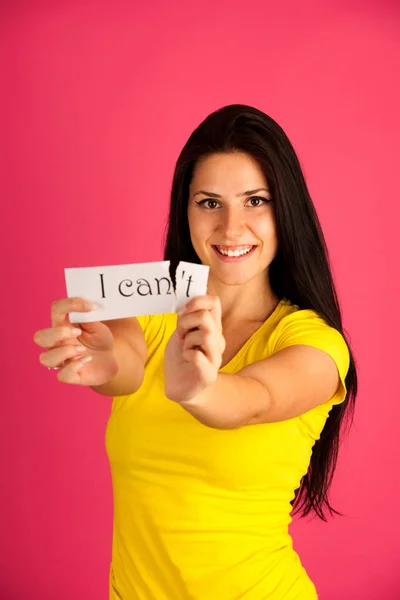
pixel 202 513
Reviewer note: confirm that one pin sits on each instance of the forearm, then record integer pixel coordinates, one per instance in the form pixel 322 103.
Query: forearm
pixel 231 402
pixel 129 371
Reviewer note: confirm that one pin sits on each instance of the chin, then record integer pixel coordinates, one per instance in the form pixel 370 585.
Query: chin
pixel 234 278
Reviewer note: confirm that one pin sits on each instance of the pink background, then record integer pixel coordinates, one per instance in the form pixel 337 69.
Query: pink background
pixel 97 103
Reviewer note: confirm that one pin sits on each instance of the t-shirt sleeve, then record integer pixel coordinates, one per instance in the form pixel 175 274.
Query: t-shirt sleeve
pixel 153 327
pixel 305 327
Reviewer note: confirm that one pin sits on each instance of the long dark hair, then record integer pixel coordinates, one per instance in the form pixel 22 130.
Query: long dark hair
pixel 300 271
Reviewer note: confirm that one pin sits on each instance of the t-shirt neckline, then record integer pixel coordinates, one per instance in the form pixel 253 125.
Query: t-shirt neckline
pixel 257 332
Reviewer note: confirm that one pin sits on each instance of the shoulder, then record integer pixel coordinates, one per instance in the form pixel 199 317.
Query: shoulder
pixel 306 327
pixel 306 367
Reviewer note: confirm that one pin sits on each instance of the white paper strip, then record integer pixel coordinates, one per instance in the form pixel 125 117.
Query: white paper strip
pixel 191 281
pixel 122 291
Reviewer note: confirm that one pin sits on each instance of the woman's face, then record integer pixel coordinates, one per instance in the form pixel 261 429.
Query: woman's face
pixel 231 221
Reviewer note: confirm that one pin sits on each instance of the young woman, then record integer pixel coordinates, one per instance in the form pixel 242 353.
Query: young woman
pixel 227 414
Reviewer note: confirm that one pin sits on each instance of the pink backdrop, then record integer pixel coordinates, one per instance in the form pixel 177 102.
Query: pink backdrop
pixel 98 101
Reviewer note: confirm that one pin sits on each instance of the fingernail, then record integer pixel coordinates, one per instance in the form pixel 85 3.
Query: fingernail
pixel 76 331
pixel 86 359
pixel 80 348
pixel 91 305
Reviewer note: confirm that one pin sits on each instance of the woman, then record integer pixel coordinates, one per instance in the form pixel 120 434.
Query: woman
pixel 227 414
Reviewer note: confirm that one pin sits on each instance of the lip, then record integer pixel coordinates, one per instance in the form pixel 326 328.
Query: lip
pixel 234 258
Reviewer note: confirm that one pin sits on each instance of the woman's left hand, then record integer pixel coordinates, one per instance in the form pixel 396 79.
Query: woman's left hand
pixel 193 355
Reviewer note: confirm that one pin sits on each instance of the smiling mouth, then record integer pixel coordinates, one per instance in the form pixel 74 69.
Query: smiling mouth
pixel 233 253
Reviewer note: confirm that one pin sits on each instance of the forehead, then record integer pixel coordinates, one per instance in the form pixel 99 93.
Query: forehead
pixel 228 171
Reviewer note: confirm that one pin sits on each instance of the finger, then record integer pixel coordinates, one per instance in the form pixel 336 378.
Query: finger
pixel 61 308
pixel 211 344
pixel 209 303
pixel 199 337
pixel 195 340
pixel 72 372
pixel 48 338
pixel 199 303
pixel 194 320
pixel 57 356
pixel 198 359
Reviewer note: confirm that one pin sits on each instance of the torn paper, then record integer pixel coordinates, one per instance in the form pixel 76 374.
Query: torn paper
pixel 122 291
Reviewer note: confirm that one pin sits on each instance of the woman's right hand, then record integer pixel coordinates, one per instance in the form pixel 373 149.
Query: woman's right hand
pixel 83 353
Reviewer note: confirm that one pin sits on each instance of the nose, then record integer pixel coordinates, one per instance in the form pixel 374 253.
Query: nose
pixel 232 223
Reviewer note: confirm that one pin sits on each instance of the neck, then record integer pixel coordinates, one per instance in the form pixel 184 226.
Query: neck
pixel 251 301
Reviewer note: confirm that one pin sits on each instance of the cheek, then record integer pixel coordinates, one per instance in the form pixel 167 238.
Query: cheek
pixel 192 223
pixel 195 235
pixel 200 229
pixel 264 228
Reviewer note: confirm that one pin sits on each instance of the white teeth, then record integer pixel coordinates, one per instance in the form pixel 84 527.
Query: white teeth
pixel 235 253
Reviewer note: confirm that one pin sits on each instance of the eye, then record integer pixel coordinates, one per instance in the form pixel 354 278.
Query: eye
pixel 259 201
pixel 202 203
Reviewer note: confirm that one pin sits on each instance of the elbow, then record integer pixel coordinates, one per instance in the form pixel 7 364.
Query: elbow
pixel 260 406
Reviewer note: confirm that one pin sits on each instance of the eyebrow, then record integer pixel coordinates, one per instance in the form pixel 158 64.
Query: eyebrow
pixel 248 193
